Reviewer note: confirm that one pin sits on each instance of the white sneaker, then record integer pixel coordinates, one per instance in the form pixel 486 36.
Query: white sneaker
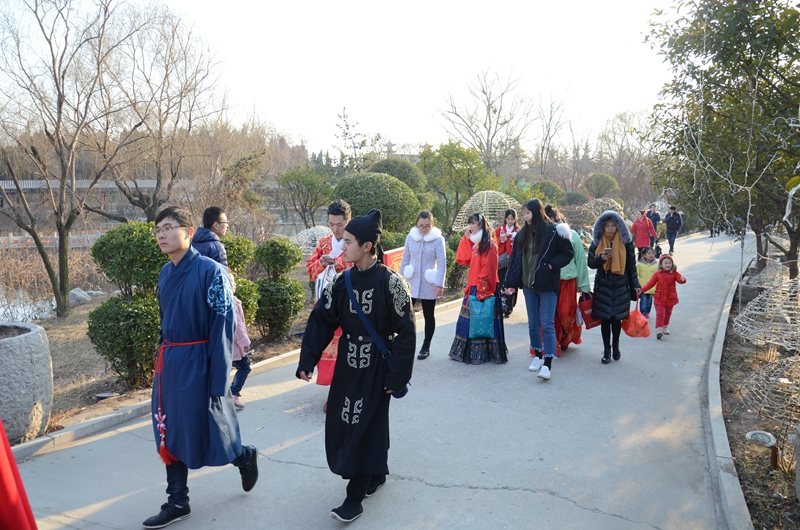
pixel 536 363
pixel 544 373
pixel 666 330
pixel 237 403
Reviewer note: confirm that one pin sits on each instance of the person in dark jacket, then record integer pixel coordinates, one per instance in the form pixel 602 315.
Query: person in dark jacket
pixel 540 250
pixel 673 223
pixel 206 239
pixel 616 282
pixel 655 218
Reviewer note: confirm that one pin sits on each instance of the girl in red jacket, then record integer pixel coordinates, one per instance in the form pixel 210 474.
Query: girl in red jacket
pixel 666 295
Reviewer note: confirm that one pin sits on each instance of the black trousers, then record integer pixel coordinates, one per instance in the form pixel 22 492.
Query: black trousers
pixel 429 313
pixel 357 487
pixel 609 328
pixel 178 478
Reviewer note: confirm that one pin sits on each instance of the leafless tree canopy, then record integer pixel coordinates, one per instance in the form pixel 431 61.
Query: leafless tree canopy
pixel 494 121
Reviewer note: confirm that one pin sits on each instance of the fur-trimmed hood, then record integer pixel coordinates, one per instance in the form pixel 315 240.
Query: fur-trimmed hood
pixel 433 235
pixel 622 228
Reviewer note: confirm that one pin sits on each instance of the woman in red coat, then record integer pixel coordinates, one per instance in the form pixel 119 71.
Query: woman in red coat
pixel 666 295
pixel 642 230
pixel 478 251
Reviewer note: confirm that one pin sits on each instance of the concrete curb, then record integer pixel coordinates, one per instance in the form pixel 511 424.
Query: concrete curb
pixel 65 437
pixel 730 499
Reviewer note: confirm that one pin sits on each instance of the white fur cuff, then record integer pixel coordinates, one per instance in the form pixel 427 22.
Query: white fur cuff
pixel 408 271
pixel 431 276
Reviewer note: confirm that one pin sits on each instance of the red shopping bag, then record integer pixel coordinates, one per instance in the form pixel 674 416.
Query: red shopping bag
pixel 585 307
pixel 636 325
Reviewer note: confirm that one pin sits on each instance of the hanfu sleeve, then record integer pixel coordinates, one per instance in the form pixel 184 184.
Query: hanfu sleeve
pixel 322 323
pixel 404 345
pixel 219 298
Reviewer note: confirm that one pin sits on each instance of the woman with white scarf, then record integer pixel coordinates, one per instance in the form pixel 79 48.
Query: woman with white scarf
pixel 424 265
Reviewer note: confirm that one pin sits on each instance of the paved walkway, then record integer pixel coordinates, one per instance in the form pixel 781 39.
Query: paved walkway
pixel 611 447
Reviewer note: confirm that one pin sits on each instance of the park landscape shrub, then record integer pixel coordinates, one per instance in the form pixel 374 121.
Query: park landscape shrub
pixel 402 170
pixel 125 331
pixel 247 293
pixel 240 252
pixel 280 298
pixel 396 201
pixel 129 256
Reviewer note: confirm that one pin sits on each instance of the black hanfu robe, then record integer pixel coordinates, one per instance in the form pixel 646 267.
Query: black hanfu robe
pixel 357 419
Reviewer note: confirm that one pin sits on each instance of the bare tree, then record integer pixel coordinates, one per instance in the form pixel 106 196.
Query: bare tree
pixel 579 160
pixel 57 66
pixel 167 77
pixel 622 154
pixel 549 124
pixel 493 122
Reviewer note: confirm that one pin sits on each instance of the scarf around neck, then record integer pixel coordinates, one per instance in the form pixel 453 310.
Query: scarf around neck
pixel 615 265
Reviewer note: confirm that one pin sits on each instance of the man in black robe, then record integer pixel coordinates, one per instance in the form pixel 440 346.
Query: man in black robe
pixel 357 419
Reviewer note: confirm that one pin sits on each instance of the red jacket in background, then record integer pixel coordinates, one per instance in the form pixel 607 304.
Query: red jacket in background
pixel 482 267
pixel 666 293
pixel 506 246
pixel 641 230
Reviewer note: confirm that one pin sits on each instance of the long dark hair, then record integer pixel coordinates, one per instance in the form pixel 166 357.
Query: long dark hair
pixel 537 228
pixel 486 238
pixel 512 212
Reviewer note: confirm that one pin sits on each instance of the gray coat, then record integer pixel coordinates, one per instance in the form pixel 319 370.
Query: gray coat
pixel 424 262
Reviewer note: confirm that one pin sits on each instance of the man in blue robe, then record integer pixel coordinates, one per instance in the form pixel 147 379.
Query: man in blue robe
pixel 194 420
pixel 357 418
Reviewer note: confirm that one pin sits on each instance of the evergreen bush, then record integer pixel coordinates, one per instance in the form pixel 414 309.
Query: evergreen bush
pixel 402 170
pixel 125 330
pixel 279 302
pixel 277 256
pixel 240 252
pixel 129 256
pixel 393 240
pixel 396 201
pixel 575 198
pixel 247 292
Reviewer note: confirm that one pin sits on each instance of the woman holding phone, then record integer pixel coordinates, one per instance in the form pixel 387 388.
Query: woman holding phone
pixel 616 283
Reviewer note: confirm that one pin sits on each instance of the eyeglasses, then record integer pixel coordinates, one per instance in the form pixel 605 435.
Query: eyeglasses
pixel 424 227
pixel 222 222
pixel 166 229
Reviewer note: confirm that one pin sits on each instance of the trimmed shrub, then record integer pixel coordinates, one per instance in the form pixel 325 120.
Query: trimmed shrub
pixel 396 201
pixel 403 170
pixel 247 292
pixel 125 330
pixel 575 198
pixel 279 302
pixel 130 257
pixel 392 240
pixel 277 256
pixel 600 185
pixel 549 191
pixel 453 241
pixel 240 251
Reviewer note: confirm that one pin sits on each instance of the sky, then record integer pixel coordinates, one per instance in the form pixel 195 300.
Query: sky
pixel 296 65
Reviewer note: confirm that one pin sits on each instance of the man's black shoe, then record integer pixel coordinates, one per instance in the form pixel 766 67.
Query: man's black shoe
pixel 348 512
pixel 249 470
pixel 423 354
pixel 375 484
pixel 168 515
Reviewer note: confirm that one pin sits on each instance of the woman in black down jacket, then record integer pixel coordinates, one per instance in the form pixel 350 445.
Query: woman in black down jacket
pixel 616 282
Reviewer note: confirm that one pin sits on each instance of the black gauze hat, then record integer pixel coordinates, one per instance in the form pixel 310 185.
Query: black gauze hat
pixel 366 227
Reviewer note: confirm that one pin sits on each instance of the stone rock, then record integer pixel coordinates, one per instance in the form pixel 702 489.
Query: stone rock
pixel 95 294
pixel 26 381
pixel 78 296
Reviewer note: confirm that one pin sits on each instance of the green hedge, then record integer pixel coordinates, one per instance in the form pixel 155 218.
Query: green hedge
pixel 125 331
pixel 396 201
pixel 279 303
pixel 129 256
pixel 247 292
pixel 277 257
pixel 393 240
pixel 240 252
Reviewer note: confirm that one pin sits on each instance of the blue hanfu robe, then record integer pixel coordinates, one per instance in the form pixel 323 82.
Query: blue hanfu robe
pixel 196 304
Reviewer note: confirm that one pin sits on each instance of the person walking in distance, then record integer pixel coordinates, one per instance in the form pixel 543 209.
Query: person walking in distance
pixel 643 232
pixel 673 222
pixel 424 265
pixel 666 296
pixel 241 348
pixel 372 304
pixel 194 421
pixel 207 238
pixel 616 282
pixel 655 218
pixel 504 235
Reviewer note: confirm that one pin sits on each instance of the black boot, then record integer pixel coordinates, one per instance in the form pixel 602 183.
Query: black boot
pixel 606 355
pixel 617 354
pixel 349 511
pixel 424 352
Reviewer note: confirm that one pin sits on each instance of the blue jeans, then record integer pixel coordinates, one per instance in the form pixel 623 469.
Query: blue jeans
pixel 671 238
pixel 645 303
pixel 242 369
pixel 541 309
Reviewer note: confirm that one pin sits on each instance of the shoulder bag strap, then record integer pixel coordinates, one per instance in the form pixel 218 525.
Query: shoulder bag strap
pixel 385 353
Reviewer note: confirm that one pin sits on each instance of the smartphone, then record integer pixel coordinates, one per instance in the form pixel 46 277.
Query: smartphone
pixel 607 249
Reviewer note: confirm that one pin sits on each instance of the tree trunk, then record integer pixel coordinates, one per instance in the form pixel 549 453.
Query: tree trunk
pixel 62 293
pixel 791 257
